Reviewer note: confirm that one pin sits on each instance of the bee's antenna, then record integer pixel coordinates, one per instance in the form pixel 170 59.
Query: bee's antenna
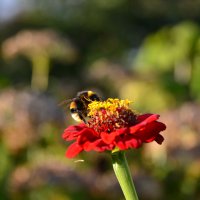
pixel 65 102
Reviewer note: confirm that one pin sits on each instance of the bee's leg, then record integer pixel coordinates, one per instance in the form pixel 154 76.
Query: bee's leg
pixel 82 117
pixel 84 121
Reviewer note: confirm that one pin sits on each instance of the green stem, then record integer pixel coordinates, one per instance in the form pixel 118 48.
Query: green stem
pixel 40 72
pixel 123 175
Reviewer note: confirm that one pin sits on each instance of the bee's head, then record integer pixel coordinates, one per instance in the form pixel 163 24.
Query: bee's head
pixel 93 96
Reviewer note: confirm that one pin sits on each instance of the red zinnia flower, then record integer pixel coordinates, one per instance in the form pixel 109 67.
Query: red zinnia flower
pixel 113 125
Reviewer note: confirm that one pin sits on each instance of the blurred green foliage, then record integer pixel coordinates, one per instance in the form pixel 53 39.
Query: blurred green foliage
pixel 173 50
pixel 146 51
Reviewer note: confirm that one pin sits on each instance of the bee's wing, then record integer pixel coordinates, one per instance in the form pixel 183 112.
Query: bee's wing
pixel 65 102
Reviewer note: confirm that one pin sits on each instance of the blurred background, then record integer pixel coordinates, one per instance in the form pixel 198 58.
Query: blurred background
pixel 147 51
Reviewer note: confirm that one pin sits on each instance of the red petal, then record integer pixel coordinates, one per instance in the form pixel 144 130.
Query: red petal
pixel 128 141
pixel 150 132
pixel 143 120
pixel 74 128
pixel 87 135
pixel 134 129
pixel 147 117
pixel 88 146
pixel 100 146
pixel 133 143
pixel 73 150
pixel 159 139
pixel 108 137
pixel 72 132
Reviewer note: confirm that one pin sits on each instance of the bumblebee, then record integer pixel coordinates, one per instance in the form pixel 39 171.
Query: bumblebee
pixel 78 105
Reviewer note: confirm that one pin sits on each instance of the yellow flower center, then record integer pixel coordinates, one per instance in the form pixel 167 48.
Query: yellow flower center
pixel 111 105
pixel 109 115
